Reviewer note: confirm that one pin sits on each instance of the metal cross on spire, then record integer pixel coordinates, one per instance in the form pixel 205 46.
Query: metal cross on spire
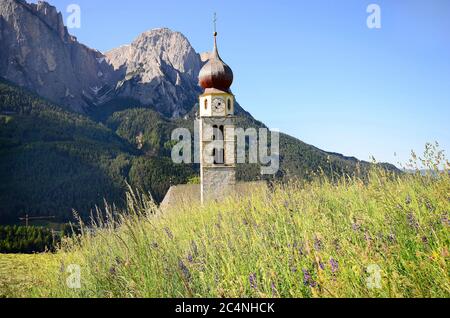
pixel 215 23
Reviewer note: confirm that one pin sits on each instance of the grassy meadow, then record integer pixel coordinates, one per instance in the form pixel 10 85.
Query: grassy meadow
pixel 382 236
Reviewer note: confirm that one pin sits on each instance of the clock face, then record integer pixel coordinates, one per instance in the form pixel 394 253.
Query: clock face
pixel 218 105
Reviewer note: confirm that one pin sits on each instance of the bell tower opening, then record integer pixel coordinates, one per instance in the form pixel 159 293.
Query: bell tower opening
pixel 219 152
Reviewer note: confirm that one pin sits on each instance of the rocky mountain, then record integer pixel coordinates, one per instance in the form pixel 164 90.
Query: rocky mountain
pixel 160 68
pixel 37 52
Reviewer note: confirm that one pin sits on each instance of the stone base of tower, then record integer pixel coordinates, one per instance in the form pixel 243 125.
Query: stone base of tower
pixel 217 182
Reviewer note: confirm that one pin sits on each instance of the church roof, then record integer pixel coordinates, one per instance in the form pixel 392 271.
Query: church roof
pixel 188 194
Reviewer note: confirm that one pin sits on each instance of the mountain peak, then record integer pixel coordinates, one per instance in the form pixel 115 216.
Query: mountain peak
pixel 162 30
pixel 46 13
pixel 159 68
pixel 38 53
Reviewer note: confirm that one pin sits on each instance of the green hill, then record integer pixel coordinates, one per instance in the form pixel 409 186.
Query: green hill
pixel 53 160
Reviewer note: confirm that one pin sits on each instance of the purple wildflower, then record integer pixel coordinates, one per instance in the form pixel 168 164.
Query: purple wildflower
pixel 334 265
pixel 190 258
pixel 391 238
pixel 412 221
pixel 355 227
pixel 307 279
pixel 252 280
pixel 184 270
pixel 321 265
pixel 301 250
pixel 317 244
pixel 274 289
pixel 293 269
pixel 112 270
pixel 293 245
pixel 299 247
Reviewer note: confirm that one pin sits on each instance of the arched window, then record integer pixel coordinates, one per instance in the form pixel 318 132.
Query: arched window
pixel 214 152
pixel 206 104
pixel 229 104
pixel 219 153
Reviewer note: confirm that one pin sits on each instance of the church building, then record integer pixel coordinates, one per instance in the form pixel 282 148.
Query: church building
pixel 217 140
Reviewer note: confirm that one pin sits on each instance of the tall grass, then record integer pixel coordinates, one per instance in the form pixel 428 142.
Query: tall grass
pixel 384 236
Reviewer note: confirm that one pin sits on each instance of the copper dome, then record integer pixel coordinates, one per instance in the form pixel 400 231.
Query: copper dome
pixel 215 73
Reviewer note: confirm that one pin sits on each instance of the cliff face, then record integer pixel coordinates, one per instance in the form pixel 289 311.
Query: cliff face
pixel 37 52
pixel 160 68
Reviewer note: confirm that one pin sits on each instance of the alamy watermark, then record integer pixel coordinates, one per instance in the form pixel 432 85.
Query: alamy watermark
pixel 374 279
pixel 73 281
pixel 260 150
pixel 74 19
pixel 374 19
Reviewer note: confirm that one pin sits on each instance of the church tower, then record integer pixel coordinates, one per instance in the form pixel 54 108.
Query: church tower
pixel 217 141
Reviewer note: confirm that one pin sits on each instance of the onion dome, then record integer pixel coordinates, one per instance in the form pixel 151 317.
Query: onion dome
pixel 216 74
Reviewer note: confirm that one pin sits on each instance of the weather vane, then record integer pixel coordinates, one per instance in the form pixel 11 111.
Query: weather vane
pixel 215 23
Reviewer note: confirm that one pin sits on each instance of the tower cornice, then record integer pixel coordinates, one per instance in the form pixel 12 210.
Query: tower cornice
pixel 216 93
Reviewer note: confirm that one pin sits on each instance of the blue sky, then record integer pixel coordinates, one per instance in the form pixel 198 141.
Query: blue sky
pixel 313 69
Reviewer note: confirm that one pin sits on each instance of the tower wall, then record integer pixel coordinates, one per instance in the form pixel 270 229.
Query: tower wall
pixel 217 180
